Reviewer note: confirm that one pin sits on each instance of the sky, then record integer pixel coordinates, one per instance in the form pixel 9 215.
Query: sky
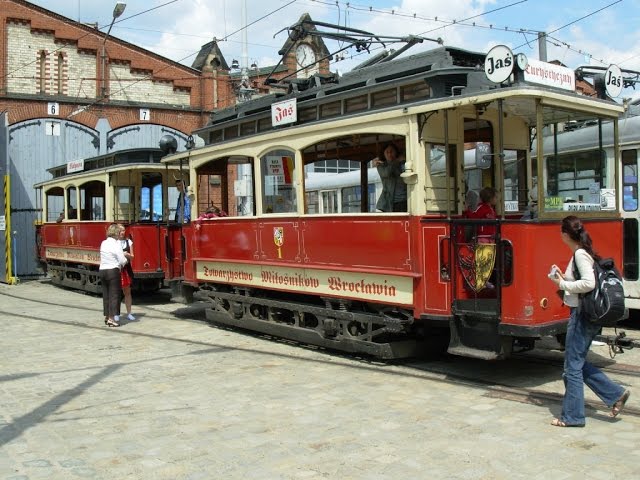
pixel 580 32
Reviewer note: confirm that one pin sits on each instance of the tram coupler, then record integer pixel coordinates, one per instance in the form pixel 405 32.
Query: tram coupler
pixel 618 342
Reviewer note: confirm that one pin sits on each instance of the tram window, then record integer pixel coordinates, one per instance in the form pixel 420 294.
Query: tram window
pixel 576 180
pixel 150 208
pixel 225 187
pixel 330 110
pixel 437 184
pixel 72 203
pixel 278 171
pixel 384 98
pixel 92 201
pixel 356 104
pixel 630 180
pixel 515 181
pixel 55 203
pixel 415 91
pixel 125 208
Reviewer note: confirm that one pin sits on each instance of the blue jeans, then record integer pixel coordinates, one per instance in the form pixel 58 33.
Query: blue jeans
pixel 577 370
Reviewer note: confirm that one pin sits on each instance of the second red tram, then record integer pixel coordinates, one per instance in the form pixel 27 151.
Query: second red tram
pixel 130 187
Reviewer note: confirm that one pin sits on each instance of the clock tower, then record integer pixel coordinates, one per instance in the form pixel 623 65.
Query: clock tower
pixel 309 54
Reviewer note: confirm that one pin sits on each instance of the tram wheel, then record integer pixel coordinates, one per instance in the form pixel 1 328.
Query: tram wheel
pixel 562 339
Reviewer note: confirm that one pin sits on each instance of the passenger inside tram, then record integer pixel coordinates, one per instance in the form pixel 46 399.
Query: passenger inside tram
pixel 390 164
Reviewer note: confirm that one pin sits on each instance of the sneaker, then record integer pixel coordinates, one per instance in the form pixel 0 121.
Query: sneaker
pixel 131 317
pixel 116 318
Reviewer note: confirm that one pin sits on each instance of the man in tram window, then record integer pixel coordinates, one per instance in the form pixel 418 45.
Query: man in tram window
pixel 183 208
pixel 60 218
pixel 390 165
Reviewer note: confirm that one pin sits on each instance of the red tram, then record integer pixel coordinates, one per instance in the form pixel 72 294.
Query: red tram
pixel 130 187
pixel 393 284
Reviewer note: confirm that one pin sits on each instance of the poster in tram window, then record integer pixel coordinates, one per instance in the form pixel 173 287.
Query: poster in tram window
pixel 281 168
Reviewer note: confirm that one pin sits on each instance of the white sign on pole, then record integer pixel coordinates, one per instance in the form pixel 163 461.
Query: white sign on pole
pixel 3 223
pixel 498 64
pixel 613 81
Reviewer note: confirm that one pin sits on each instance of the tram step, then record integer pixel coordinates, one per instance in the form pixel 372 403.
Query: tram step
pixel 465 351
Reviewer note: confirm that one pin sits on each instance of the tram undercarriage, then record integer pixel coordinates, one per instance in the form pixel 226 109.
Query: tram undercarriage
pixel 87 278
pixel 381 331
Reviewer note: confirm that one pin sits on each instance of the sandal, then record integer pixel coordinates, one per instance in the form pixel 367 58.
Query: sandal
pixel 619 405
pixel 109 323
pixel 556 422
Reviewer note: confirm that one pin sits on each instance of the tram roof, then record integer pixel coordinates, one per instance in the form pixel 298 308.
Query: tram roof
pixel 444 75
pixel 453 62
pixel 122 159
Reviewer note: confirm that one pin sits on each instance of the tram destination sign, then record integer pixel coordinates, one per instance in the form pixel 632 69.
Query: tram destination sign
pixel 550 74
pixel 75 166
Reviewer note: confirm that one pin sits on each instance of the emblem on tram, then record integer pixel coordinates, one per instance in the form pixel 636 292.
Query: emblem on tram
pixel 278 239
pixel 476 263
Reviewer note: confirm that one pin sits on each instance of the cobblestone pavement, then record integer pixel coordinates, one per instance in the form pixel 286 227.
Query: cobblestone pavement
pixel 171 397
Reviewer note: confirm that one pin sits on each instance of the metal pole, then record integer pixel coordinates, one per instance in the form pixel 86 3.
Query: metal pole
pixel 542 46
pixel 15 258
pixel 117 11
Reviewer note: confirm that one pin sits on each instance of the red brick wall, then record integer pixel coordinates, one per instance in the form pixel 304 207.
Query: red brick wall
pixel 89 39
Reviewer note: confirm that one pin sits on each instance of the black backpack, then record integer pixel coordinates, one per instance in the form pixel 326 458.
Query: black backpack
pixel 604 305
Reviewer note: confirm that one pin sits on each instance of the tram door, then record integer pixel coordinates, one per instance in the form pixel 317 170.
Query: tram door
pixel 175 243
pixel 474 237
pixel 631 270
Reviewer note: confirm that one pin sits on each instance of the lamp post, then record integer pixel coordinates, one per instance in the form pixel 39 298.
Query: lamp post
pixel 117 11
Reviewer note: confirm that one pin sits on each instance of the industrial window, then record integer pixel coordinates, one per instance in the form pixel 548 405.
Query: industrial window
pixel 60 73
pixel 42 72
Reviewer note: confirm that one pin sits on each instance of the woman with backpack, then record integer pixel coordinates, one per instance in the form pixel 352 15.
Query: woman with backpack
pixel 581 332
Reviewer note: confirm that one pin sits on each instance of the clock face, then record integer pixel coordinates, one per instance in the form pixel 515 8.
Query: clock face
pixel 305 55
pixel 522 61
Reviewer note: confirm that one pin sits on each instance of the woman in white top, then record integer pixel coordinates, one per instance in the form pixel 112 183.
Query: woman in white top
pixel 112 259
pixel 580 332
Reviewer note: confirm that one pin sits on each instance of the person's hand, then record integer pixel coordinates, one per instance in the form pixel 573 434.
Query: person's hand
pixel 555 275
pixel 377 162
